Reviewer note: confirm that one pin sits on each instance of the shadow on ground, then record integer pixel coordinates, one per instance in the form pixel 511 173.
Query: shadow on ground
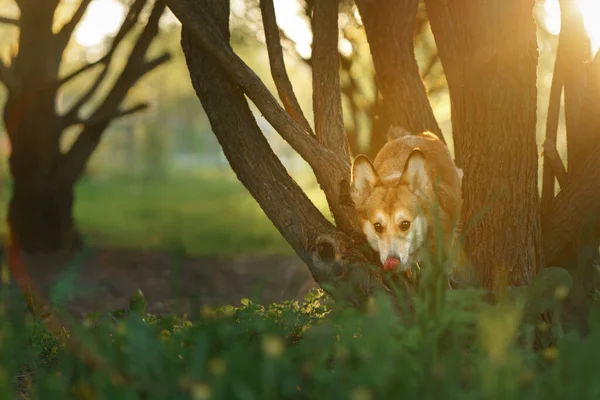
pixel 105 279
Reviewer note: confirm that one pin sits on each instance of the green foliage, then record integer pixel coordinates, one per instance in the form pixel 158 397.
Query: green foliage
pixel 461 348
pixel 209 214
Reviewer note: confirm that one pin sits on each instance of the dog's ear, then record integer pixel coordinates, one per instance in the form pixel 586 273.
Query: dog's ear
pixel 415 172
pixel 364 178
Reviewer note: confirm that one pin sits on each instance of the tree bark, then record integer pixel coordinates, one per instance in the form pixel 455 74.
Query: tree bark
pixel 40 210
pixel 390 26
pixel 327 100
pixel 332 256
pixel 41 217
pixel 332 170
pixel 571 219
pixel 492 83
pixel 576 43
pixel 31 124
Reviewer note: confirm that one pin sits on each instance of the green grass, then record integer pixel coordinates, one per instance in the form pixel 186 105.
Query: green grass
pixel 460 348
pixel 206 214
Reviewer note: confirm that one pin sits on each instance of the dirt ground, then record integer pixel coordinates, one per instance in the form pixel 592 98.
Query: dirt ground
pixel 106 279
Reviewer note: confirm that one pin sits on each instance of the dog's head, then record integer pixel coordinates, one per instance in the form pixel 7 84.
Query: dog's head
pixel 391 209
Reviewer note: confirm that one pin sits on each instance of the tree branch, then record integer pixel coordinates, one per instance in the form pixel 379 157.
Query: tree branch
pixel 81 70
pixel 577 46
pixel 389 25
pixel 7 77
pixel 498 152
pixel 136 66
pixel 351 90
pixel 433 60
pixel 71 117
pixel 278 70
pixel 569 213
pixel 331 256
pixel 284 37
pixel 554 162
pixel 447 36
pixel 548 172
pixel 104 119
pixel 331 170
pixel 206 34
pixel 575 206
pixel 570 220
pixel 327 102
pixel 327 98
pixel 67 30
pixel 87 141
pixel 9 21
pixel 153 63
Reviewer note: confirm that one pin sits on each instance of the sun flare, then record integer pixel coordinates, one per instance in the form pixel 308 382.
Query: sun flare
pixel 102 18
pixel 591 17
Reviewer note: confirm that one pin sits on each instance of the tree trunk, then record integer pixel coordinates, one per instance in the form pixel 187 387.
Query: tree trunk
pixel 40 210
pixel 40 216
pixel 489 54
pixel 380 125
pixel 390 26
pixel 332 256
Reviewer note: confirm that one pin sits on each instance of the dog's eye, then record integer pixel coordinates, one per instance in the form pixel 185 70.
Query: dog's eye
pixel 404 225
pixel 378 227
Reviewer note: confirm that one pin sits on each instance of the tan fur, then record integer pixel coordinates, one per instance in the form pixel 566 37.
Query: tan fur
pixel 410 176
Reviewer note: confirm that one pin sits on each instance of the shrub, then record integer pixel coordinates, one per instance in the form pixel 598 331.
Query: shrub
pixel 462 347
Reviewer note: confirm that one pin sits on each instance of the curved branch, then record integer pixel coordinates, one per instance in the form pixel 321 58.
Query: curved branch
pixel 390 25
pixel 579 199
pixel 331 170
pixel 153 63
pixel 327 97
pixel 431 63
pixel 330 255
pixel 554 162
pixel 7 76
pixel 75 159
pixel 278 71
pixel 81 70
pixel 548 172
pixel 207 35
pixel 352 91
pixel 136 66
pixel 327 101
pixel 67 30
pixel 9 21
pixel 117 114
pixel 575 43
pixel 72 115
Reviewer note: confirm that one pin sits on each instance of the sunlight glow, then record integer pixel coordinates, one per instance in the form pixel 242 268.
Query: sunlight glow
pixel 102 18
pixel 290 20
pixel 591 15
pixel 552 19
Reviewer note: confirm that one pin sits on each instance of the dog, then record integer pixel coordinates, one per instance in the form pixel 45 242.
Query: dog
pixel 412 181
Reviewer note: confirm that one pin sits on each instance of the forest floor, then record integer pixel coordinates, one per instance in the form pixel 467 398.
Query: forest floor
pixel 105 279
pixel 138 229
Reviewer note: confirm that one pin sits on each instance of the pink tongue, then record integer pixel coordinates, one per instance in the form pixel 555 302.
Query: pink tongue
pixel 390 264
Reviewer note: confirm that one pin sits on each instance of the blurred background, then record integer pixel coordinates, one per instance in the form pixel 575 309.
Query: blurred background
pixel 159 176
